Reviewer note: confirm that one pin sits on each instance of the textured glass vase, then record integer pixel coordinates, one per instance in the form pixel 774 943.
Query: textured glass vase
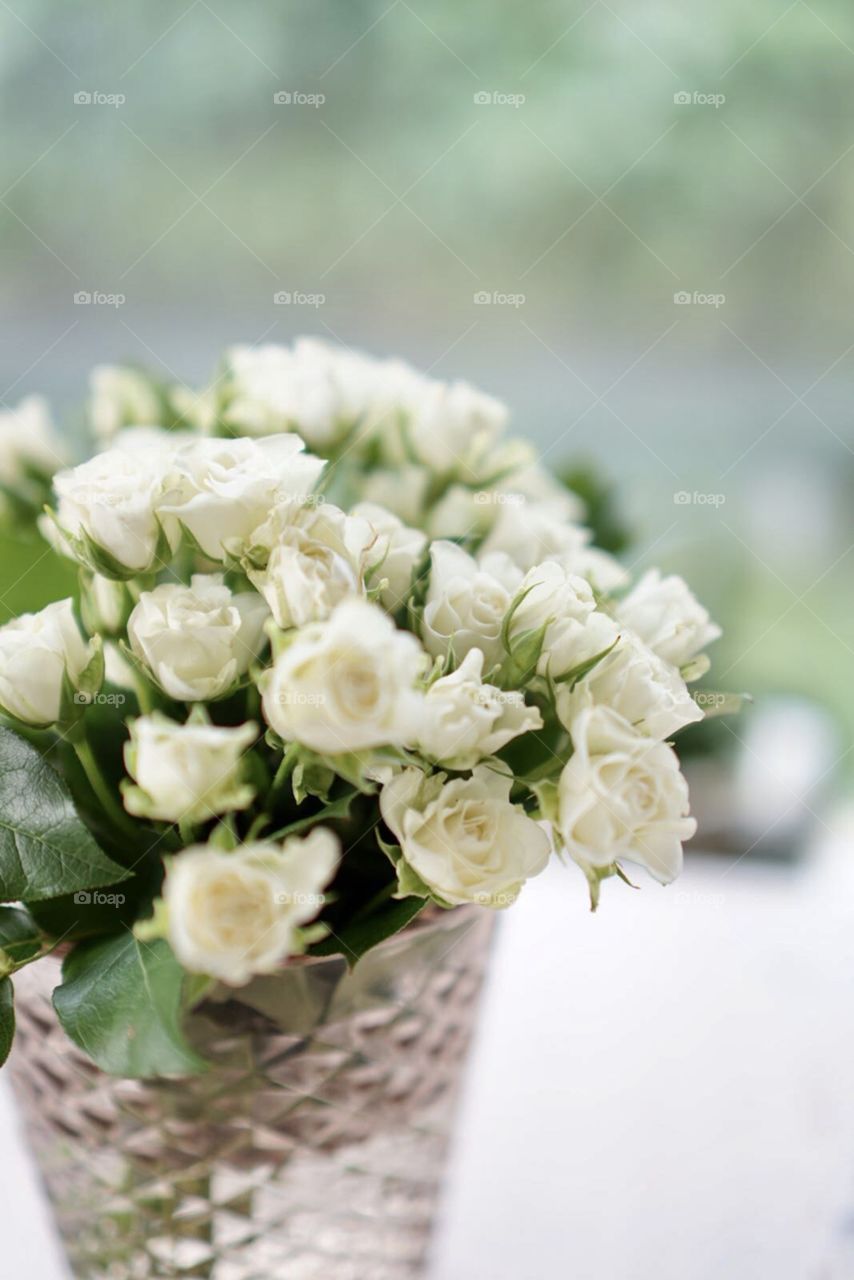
pixel 312 1150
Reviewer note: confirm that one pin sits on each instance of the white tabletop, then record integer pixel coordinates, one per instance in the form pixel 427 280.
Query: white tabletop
pixel 660 1092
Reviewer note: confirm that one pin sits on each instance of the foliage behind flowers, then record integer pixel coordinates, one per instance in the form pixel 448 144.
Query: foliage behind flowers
pixel 344 651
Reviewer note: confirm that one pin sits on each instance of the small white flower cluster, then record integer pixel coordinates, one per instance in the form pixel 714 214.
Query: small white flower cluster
pixel 353 554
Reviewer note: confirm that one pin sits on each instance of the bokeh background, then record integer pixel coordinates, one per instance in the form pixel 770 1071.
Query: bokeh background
pixel 632 221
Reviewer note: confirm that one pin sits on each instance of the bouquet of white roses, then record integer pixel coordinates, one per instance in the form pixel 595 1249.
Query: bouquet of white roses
pixel 341 651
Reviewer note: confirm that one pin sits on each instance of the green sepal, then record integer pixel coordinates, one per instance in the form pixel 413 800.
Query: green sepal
pixel 583 669
pixel 95 557
pixel 520 665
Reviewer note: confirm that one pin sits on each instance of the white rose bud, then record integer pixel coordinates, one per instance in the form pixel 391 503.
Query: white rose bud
pixel 451 426
pixel 222 490
pixel 463 838
pixel 314 557
pixel 532 483
pixel 186 772
pixel 466 602
pixel 232 915
pixel 636 683
pixel 121 397
pixel 666 614
pixel 28 440
pixel 197 641
pixel 107 510
pixel 272 389
pixel 531 533
pixel 396 552
pixel 346 684
pixel 38 651
pixel 622 797
pixel 401 490
pixel 461 512
pixel 465 720
pixel 563 603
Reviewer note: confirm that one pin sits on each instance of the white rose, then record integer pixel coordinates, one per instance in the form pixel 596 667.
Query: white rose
pixel 273 390
pixel 396 552
pixel 313 558
pixel 636 683
pixel 451 426
pixel 463 838
pixel 461 512
pixel 197 641
pixel 222 490
pixel 665 613
pixel 319 390
pixel 185 772
pixel 465 720
pixel 108 510
pixel 346 684
pixel 532 483
pixel 564 603
pixel 466 603
pixel 28 439
pixel 530 533
pixel 121 397
pixel 37 652
pixel 166 442
pixel 621 796
pixel 401 490
pixel 232 915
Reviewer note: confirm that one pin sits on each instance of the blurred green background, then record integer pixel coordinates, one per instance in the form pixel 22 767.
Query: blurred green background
pixel 580 165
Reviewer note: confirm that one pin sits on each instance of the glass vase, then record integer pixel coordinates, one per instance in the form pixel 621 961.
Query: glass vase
pixel 311 1150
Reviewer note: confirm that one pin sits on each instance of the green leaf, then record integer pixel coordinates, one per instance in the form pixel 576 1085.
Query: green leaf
pixel 121 1002
pixel 7 1018
pixel 360 936
pixel 339 808
pixel 20 938
pixel 45 850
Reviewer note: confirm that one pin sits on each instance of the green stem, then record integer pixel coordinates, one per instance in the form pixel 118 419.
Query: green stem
pixel 377 900
pixel 143 694
pixel 102 789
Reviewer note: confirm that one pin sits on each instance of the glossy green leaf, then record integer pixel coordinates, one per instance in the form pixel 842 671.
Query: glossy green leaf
pixel 45 849
pixel 121 1002
pixel 359 936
